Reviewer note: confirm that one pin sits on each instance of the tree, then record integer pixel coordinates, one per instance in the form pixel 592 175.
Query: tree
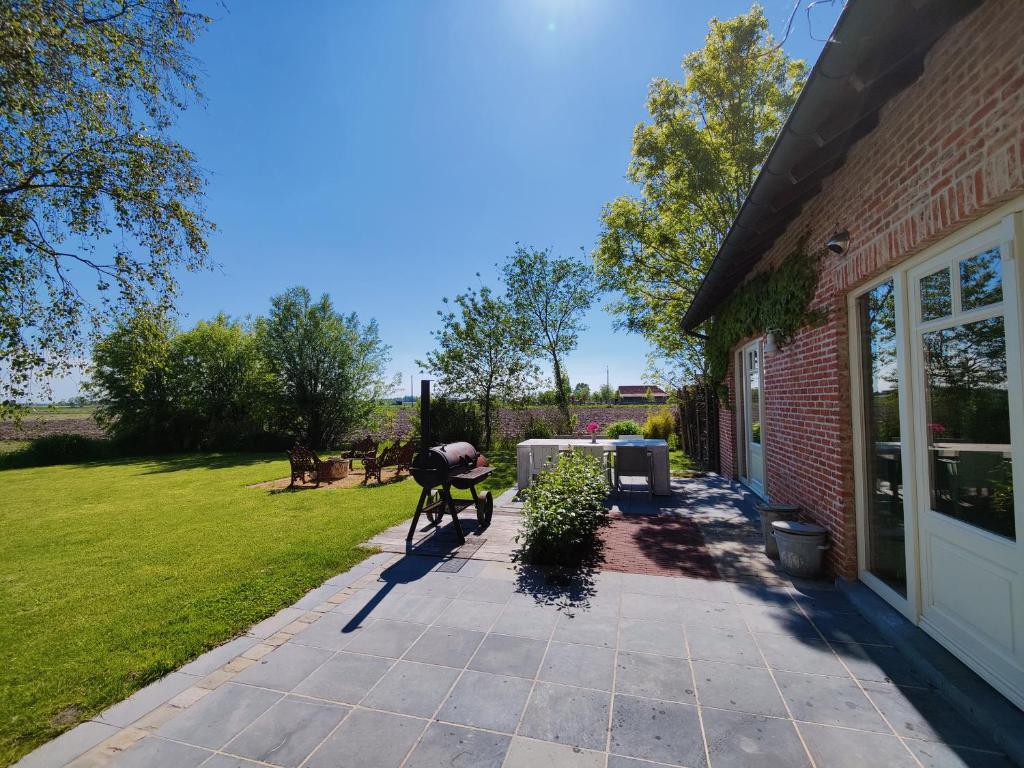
pixel 549 297
pixel 581 392
pixel 329 367
pixel 604 394
pixel 92 187
pixel 695 162
pixel 480 355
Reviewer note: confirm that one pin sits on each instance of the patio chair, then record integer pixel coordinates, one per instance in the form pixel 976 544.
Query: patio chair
pixel 603 457
pixel 634 461
pixel 303 461
pixel 404 455
pixel 542 459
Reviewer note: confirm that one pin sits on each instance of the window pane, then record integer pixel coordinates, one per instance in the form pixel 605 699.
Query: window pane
pixel 969 425
pixel 754 372
pixel 936 296
pixel 981 280
pixel 886 538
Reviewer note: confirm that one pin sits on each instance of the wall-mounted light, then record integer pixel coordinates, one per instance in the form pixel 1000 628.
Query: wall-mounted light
pixel 770 343
pixel 839 242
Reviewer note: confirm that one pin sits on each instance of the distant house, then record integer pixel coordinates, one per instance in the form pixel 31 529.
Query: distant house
pixel 639 394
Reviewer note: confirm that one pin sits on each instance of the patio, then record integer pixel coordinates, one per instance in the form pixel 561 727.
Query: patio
pixel 417 661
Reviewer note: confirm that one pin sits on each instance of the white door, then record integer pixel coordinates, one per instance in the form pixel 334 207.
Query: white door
pixel 967 412
pixel 753 408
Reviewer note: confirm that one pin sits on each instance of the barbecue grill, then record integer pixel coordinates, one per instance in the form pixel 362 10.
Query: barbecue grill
pixel 441 468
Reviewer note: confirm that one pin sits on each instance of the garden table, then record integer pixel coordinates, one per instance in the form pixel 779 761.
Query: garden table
pixel 659 454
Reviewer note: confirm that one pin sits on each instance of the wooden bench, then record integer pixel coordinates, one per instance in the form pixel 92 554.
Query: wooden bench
pixel 303 461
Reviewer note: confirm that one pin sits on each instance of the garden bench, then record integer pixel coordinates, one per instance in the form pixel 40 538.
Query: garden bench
pixel 303 461
pixel 396 455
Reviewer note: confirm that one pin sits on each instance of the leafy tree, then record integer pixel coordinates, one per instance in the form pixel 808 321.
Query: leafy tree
pixel 581 392
pixel 98 205
pixel 604 394
pixel 694 161
pixel 549 297
pixel 219 385
pixel 129 378
pixel 329 368
pixel 480 355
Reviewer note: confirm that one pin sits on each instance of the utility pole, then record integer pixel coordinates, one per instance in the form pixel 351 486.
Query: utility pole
pixel 607 381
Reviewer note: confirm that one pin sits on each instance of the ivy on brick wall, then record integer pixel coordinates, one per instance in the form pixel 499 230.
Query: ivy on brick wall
pixel 777 300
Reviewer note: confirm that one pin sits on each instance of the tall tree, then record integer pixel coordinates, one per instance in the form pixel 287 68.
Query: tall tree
pixel 549 297
pixel 480 355
pixel 330 368
pixel 694 161
pixel 98 204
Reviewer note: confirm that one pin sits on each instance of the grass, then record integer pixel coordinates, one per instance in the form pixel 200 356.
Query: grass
pixel 112 575
pixel 679 462
pixel 57 412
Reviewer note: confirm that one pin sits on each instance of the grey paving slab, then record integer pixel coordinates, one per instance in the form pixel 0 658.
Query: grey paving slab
pixel 583 665
pixel 487 590
pixel 439 585
pixel 700 613
pixel 652 637
pixel 745 689
pixel 829 701
pixel 647 584
pixel 878 664
pixel 663 731
pixel 448 646
pixel 385 637
pixel 636 605
pixel 229 761
pixel 778 620
pixel 574 716
pixel 220 716
pixel 216 658
pixel 846 628
pixel 482 700
pixel 422 609
pixel 587 630
pixel 470 614
pixel 843 748
pixel 656 677
pixel 152 752
pixel 68 745
pixel 332 632
pixel 284 668
pixel 714 644
pixel 739 740
pixel 618 761
pixel 921 713
pixel 273 624
pixel 410 688
pixel 365 739
pixel 451 745
pixel 346 677
pixel 819 599
pixel 147 699
pixel 933 755
pixel 789 654
pixel 527 620
pixel 705 589
pixel 506 655
pixel 526 753
pixel 288 732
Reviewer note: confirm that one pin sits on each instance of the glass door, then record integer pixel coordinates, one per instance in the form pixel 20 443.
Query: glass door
pixel 967 419
pixel 753 408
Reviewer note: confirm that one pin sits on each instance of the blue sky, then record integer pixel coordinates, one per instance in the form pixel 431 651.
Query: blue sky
pixel 385 152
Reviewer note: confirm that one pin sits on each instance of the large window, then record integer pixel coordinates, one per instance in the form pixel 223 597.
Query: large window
pixel 884 520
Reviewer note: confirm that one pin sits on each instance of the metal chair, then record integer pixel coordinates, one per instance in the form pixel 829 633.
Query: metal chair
pixel 634 461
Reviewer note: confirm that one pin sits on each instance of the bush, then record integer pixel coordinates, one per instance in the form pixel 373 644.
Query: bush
pixel 660 425
pixel 627 427
pixel 563 511
pixel 58 449
pixel 537 429
pixel 453 421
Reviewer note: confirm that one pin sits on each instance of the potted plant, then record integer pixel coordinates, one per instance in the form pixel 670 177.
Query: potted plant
pixel 592 428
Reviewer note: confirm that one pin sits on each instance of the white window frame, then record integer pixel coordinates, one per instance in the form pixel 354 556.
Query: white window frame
pixel 1005 223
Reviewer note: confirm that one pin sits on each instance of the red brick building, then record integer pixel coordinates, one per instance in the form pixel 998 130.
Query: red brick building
pixel 897 423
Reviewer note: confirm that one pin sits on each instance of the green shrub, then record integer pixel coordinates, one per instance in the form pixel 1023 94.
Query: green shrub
pixel 563 510
pixel 660 425
pixel 537 429
pixel 627 427
pixel 58 449
pixel 453 421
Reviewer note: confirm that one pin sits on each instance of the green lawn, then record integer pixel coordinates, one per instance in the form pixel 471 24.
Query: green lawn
pixel 112 575
pixel 58 412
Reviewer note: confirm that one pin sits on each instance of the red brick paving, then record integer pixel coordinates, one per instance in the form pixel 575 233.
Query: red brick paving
pixel 661 545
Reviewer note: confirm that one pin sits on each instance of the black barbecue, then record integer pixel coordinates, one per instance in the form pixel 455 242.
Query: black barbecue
pixel 441 468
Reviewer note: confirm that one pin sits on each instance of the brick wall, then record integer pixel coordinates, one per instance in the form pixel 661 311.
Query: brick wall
pixel 947 150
